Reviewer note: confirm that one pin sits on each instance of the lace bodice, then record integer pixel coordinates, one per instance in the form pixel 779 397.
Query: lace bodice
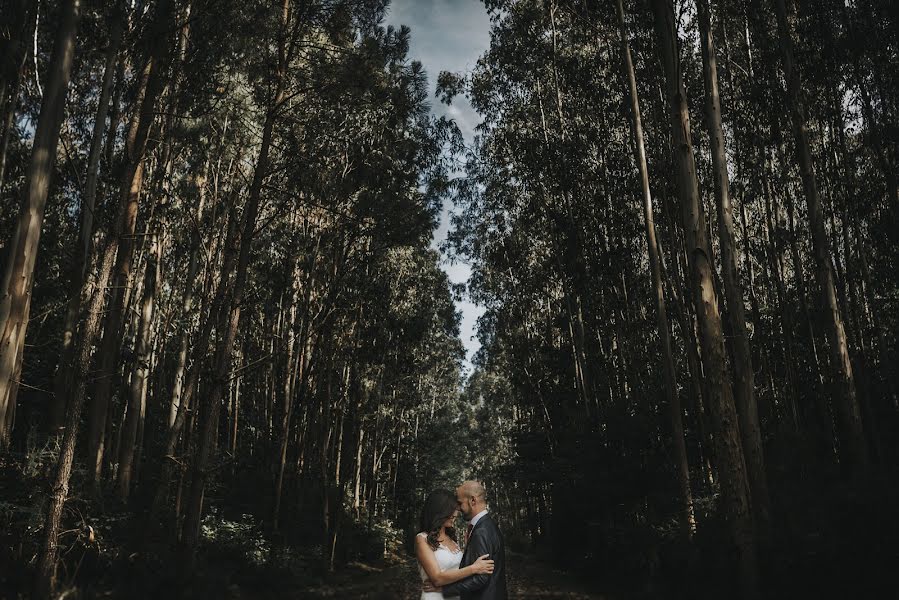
pixel 446 560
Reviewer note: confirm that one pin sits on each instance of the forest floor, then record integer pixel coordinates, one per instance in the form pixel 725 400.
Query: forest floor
pixel 528 579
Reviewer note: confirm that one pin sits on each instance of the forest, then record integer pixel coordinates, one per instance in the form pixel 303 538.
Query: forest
pixel 231 363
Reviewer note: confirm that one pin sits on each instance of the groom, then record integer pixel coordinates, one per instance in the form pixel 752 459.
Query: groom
pixel 482 537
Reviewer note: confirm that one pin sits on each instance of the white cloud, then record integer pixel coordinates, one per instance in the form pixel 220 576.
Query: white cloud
pixel 448 35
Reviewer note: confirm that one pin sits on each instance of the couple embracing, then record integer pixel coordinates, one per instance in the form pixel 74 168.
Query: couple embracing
pixel 478 572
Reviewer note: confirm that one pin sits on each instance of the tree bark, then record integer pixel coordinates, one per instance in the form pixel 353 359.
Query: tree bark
pixel 729 454
pixel 744 380
pixel 230 325
pixel 60 487
pixel 132 181
pixel 853 447
pixel 18 280
pixel 62 379
pixel 138 387
pixel 682 469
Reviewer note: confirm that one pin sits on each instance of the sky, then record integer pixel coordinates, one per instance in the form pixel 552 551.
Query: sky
pixel 448 35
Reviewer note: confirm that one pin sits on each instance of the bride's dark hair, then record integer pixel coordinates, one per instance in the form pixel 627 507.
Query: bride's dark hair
pixel 439 506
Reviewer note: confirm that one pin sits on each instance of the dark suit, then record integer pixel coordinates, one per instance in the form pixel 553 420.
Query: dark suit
pixel 485 539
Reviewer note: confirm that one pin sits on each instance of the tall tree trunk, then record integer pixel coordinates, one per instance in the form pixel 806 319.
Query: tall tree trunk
pixel 62 379
pixel 47 560
pixel 18 280
pixel 228 333
pixel 744 380
pixel 774 255
pixel 728 451
pixel 296 348
pixel 188 301
pixel 853 447
pixel 132 181
pixel 682 469
pixel 138 387
pixel 821 405
pixel 200 349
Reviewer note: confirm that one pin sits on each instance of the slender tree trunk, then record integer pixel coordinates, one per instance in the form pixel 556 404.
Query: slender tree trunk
pixel 799 283
pixel 853 447
pixel 115 114
pixel 357 476
pixel 132 181
pixel 200 349
pixel 188 302
pixel 744 380
pixel 684 319
pixel 138 388
pixel 687 519
pixel 295 348
pixel 729 455
pixel 774 253
pixel 60 487
pixel 213 397
pixel 62 379
pixel 18 279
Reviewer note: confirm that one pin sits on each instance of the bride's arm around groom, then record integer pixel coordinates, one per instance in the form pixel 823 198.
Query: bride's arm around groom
pixel 439 577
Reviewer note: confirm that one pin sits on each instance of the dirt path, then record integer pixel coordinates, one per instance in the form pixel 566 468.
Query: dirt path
pixel 528 580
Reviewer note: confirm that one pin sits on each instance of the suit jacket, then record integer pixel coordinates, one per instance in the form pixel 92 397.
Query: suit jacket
pixel 485 539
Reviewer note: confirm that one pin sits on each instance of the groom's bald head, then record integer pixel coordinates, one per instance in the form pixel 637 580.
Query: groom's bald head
pixel 473 489
pixel 472 498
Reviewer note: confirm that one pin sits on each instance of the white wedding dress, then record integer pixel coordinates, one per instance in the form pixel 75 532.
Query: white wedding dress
pixel 447 560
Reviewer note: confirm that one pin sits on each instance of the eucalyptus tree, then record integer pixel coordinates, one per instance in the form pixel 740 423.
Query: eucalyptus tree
pixel 743 372
pixel 847 403
pixel 688 522
pixel 279 274
pixel 18 276
pixel 546 250
pixel 122 242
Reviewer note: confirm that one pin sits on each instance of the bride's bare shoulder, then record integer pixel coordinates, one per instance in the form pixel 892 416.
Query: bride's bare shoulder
pixel 421 542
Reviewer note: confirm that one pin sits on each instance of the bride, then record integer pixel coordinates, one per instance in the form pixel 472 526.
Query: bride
pixel 438 553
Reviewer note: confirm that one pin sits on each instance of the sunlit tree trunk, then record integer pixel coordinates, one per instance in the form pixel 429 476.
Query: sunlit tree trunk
pixel 18 278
